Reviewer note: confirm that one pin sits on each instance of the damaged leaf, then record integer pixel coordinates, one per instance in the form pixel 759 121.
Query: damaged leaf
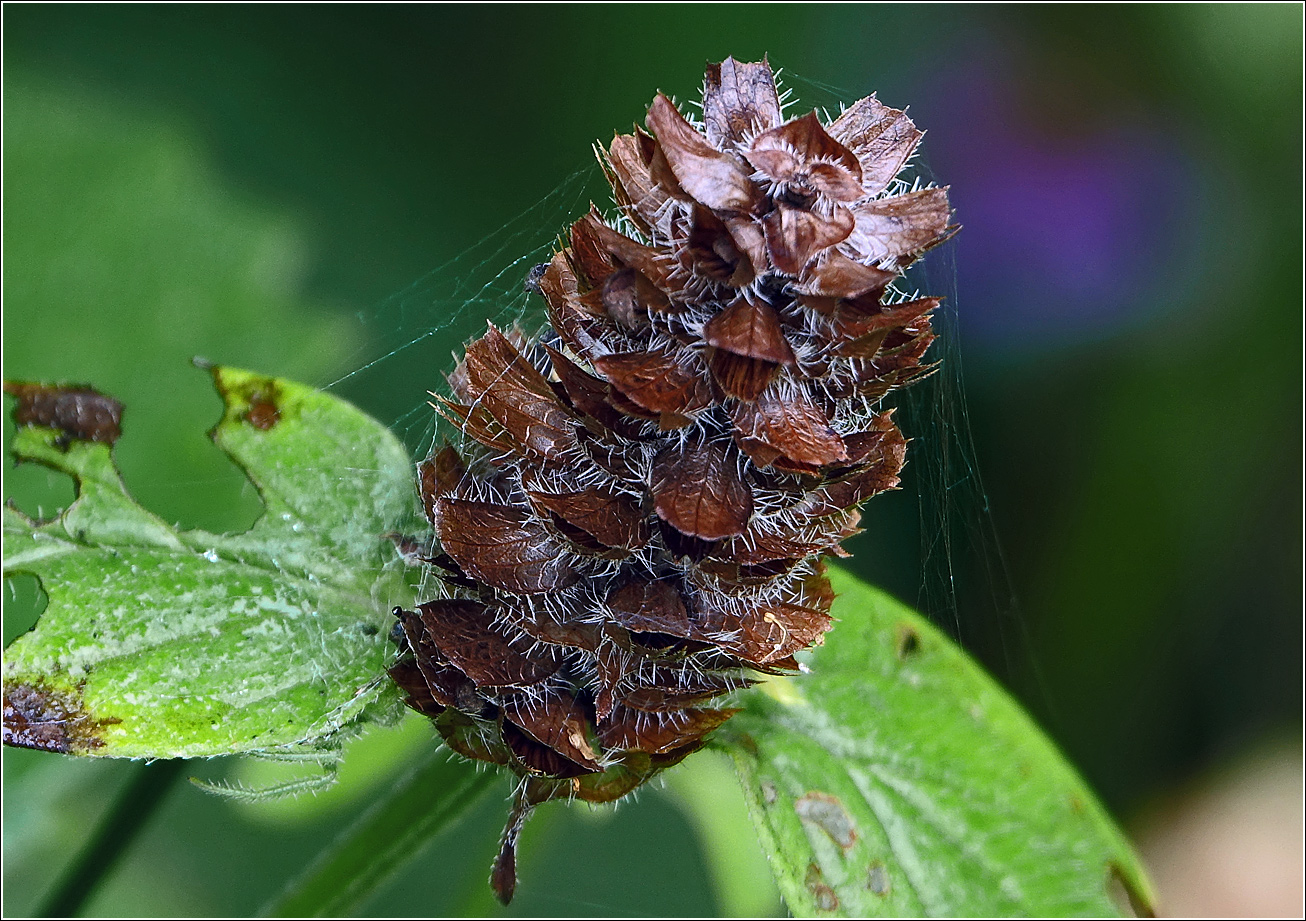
pixel 162 643
pixel 896 779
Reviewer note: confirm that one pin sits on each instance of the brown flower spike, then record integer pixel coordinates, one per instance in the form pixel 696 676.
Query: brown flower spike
pixel 635 521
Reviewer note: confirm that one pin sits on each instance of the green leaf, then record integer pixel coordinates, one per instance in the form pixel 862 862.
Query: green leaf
pixel 161 643
pixel 897 779
pixel 431 797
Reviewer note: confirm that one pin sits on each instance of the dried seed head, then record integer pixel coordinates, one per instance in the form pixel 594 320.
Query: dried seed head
pixel 636 516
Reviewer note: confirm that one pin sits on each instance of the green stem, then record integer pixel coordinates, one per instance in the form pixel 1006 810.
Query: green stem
pixel 431 797
pixel 133 809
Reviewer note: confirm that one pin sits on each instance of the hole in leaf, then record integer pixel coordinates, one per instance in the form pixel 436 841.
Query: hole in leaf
pixel 24 600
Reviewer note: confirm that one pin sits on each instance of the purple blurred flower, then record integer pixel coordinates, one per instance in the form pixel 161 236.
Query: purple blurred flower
pixel 1069 234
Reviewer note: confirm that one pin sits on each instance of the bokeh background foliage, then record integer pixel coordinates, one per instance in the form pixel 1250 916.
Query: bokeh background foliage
pixel 263 187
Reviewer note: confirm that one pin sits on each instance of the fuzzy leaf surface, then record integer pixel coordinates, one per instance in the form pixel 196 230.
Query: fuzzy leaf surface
pixel 163 643
pixel 898 779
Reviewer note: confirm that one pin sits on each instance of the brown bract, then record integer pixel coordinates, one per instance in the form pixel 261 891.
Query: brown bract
pixel 633 519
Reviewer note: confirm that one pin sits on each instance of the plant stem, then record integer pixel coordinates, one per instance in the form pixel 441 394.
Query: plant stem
pixel 139 801
pixel 431 797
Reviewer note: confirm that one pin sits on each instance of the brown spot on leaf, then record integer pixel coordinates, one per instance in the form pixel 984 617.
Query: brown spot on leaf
pixel 827 813
pixel 79 412
pixel 263 412
pixel 908 643
pixel 50 719
pixel 877 879
pixel 825 898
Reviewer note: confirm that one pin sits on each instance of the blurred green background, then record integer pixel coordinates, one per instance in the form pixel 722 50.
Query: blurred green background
pixel 285 188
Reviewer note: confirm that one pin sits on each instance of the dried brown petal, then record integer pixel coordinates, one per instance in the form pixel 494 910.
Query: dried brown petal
pixel 750 328
pixel 587 255
pixel 770 628
pixel 539 624
pixel 439 475
pixel 776 631
pixel 794 427
pixel 554 720
pixel 889 228
pixel 697 490
pixel 446 685
pixel 478 424
pixel 659 381
pixel 794 237
pixel 740 377
pixel 652 263
pixel 860 335
pixel 711 251
pixel 834 182
pixel 613 518
pixel 794 539
pixel 882 139
pixel 807 138
pixel 514 392
pixel 536 759
pixel 503 546
pixel 578 328
pixel 778 164
pixel 635 730
pixel 834 275
pixel 694 688
pixel 629 297
pixel 620 460
pixel 463 632
pixel 858 487
pixel 634 188
pixel 417 694
pixel 651 605
pixel 715 178
pixel 739 100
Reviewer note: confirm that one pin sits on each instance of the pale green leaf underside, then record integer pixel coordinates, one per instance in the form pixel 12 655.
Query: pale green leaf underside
pixel 897 779
pixel 159 642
